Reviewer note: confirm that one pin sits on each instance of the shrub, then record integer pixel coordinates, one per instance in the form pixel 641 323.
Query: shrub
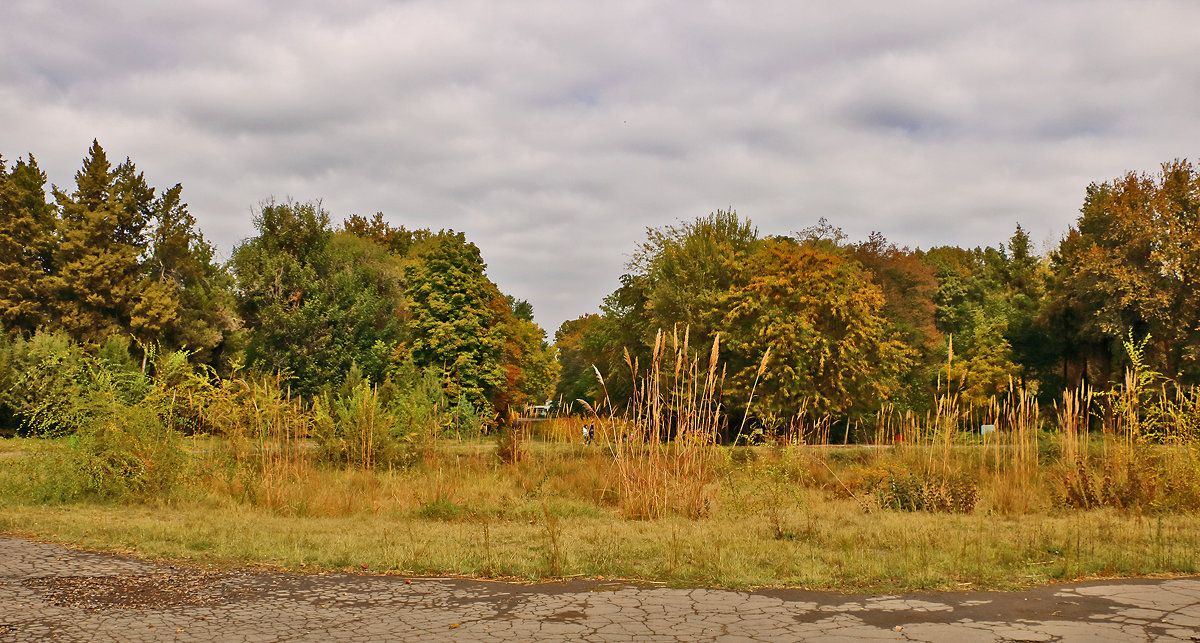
pixel 898 488
pixel 46 376
pixel 1141 478
pixel 129 455
pixel 359 431
pixel 123 453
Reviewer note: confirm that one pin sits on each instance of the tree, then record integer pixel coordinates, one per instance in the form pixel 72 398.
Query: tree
pixel 1131 267
pixel 677 279
pixel 973 312
pixel 26 245
pixel 577 377
pixel 97 287
pixel 819 313
pixel 690 267
pixel 454 319
pixel 808 301
pixel 279 289
pixel 530 368
pixel 180 271
pixel 398 241
pixel 908 285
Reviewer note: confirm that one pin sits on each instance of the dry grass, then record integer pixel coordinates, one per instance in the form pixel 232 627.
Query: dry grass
pixel 812 541
pixel 795 516
pixel 1099 486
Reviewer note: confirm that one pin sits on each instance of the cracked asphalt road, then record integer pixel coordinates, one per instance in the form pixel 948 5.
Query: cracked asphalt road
pixel 51 592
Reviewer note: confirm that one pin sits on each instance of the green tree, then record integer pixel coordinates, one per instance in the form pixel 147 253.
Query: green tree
pixel 279 293
pixel 577 377
pixel 690 268
pixel 97 286
pixel 677 279
pixel 318 301
pixel 454 327
pixel 973 312
pixel 26 245
pixel 181 272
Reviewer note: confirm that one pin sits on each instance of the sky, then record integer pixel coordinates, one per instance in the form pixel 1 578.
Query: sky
pixel 553 133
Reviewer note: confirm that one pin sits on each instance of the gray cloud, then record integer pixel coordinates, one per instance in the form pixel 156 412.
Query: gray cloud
pixel 553 133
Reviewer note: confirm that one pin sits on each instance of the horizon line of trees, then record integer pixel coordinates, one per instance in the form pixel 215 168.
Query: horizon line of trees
pixel 854 326
pixel 116 265
pixel 850 326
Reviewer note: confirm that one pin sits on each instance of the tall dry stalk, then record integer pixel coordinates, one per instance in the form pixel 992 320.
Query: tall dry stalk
pixel 762 367
pixel 664 450
pixel 1072 422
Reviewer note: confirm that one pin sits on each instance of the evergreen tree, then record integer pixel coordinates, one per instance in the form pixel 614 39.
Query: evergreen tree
pixel 26 246
pixel 180 272
pixel 97 286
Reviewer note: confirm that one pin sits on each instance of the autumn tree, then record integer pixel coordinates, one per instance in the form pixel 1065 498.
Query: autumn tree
pixel 528 361
pixel 397 239
pixel 820 315
pixel 1130 267
pixel 908 285
pixel 808 300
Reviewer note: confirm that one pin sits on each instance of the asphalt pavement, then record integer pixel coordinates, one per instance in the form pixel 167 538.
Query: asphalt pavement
pixel 49 592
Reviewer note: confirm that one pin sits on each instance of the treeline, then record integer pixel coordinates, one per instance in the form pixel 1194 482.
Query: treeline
pixel 806 325
pixel 117 269
pixel 847 328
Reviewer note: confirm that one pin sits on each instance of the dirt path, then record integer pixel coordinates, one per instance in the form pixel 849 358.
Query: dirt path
pixel 50 592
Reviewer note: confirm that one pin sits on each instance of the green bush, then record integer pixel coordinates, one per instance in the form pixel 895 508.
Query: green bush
pixel 359 431
pixel 129 455
pixel 43 380
pixel 124 453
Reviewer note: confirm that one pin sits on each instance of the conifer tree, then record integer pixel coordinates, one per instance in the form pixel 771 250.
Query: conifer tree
pixel 180 272
pixel 97 282
pixel 26 242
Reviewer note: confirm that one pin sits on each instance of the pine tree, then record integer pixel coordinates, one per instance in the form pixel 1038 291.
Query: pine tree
pixel 96 283
pixel 180 273
pixel 26 241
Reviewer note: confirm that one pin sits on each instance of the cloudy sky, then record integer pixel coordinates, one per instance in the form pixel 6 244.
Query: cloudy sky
pixel 554 132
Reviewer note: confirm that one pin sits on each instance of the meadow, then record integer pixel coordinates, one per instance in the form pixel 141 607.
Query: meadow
pixel 237 472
